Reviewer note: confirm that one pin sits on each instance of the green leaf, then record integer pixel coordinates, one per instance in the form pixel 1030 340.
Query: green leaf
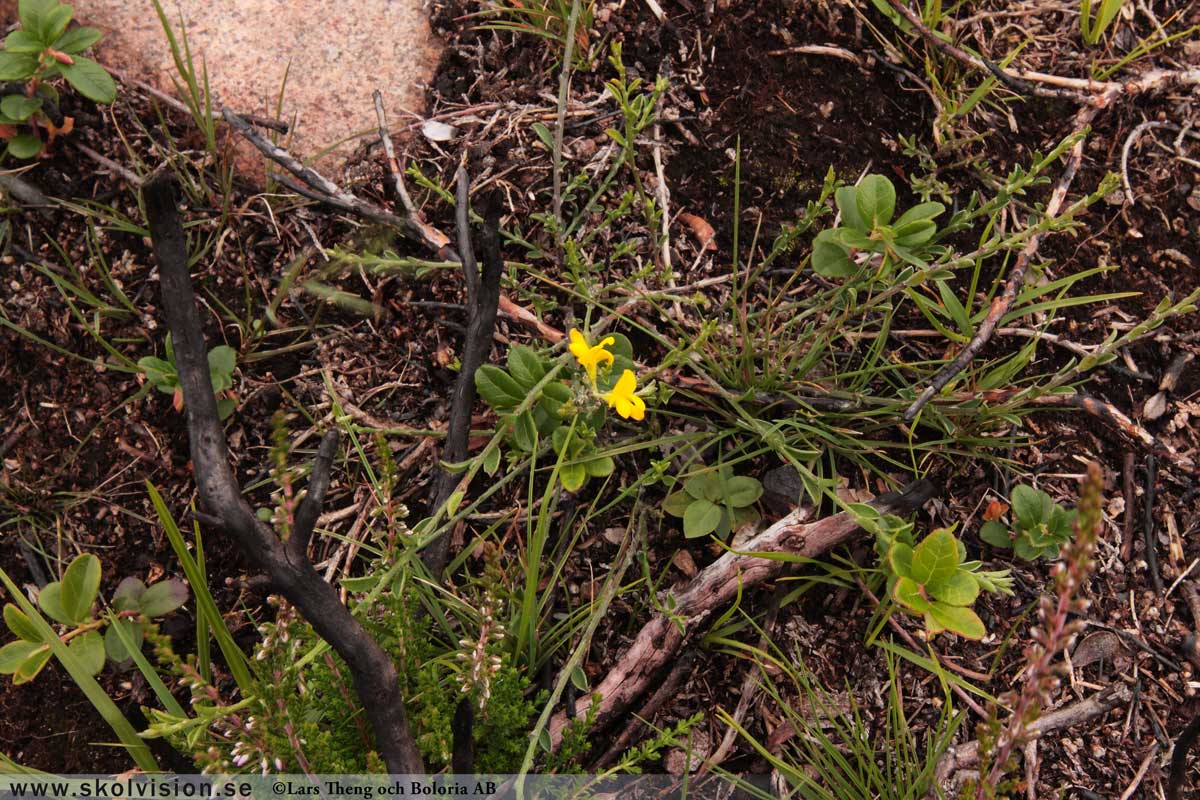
pixel 701 518
pixel 559 392
pixel 497 387
pixel 543 133
pixel 996 534
pixel 705 486
pixel 33 13
pixel 525 367
pixel 89 649
pixel 116 649
pixel 830 257
pixel 158 371
pixel 876 200
pixel 1031 506
pixel 20 107
pixel 56 22
pixel 225 407
pixel 525 433
pixel 573 476
pixel 222 361
pixel 915 233
pixel 31 666
pixel 900 556
pixel 491 460
pixel 50 600
pixel 23 42
pixel 920 211
pixel 77 40
pixel 600 467
pixel 17 66
pixel 742 491
pixel 163 597
pixel 847 203
pixel 907 593
pixel 676 503
pixel 80 584
pixel 1026 550
pixel 90 80
pixel 960 590
pixel 956 619
pixel 454 501
pixel 935 559
pixel 20 625
pixel 24 145
pixel 14 654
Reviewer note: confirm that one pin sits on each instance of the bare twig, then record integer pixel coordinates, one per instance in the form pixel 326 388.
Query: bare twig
pixel 276 125
pixel 1120 422
pixel 323 189
pixel 1130 504
pixel 564 83
pixel 660 639
pixel 1016 276
pixel 820 50
pixel 966 755
pixel 433 238
pixel 484 296
pixel 292 575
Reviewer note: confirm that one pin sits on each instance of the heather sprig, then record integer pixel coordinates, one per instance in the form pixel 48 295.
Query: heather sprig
pixel 1051 636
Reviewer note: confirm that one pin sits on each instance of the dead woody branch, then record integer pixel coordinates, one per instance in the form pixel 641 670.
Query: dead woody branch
pixel 660 639
pixel 1094 96
pixel 483 297
pixel 286 564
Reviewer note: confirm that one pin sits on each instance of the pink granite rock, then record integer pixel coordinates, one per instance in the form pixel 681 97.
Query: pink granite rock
pixel 338 53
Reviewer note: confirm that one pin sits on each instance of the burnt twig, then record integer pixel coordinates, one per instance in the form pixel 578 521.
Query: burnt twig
pixel 291 574
pixel 1148 523
pixel 483 293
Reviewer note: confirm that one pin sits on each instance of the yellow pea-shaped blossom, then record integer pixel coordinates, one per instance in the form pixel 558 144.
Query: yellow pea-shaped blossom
pixel 623 399
pixel 591 357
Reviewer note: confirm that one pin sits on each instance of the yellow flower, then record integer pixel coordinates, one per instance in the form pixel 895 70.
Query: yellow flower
pixel 591 357
pixel 623 399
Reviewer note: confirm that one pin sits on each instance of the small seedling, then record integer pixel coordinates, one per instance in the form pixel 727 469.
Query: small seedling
pixel 222 361
pixel 1040 526
pixel 715 502
pixel 869 236
pixel 70 602
pixel 933 578
pixel 40 51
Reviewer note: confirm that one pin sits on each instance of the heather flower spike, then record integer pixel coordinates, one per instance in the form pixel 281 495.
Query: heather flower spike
pixel 591 357
pixel 623 399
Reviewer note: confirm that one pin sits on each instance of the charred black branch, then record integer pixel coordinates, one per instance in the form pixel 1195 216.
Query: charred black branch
pixel 310 506
pixel 292 575
pixel 462 726
pixel 483 300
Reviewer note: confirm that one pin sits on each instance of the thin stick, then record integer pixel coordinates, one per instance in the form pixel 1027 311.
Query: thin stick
pixel 435 239
pixel 660 639
pixel 564 81
pixel 484 298
pixel 1016 276
pixel 375 676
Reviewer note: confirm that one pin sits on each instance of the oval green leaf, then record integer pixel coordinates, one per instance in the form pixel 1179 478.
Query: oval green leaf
pixel 701 518
pixel 163 597
pixel 90 79
pixel 50 601
pixel 80 584
pixel 20 624
pixel 89 649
